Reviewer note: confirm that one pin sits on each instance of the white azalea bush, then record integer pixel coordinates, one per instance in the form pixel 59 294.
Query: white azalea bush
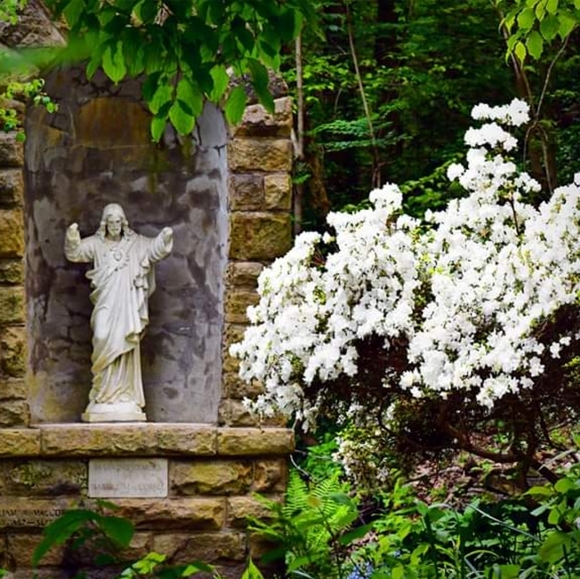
pixel 427 335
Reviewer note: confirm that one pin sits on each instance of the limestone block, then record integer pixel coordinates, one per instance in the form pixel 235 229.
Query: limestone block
pixel 13 351
pixel 152 439
pixel 246 155
pixel 11 233
pixel 42 477
pixel 11 305
pixel 243 273
pixel 259 236
pixel 17 442
pixel 235 387
pixel 234 413
pixel 240 508
pixel 255 441
pixel 246 192
pixel 12 271
pixel 21 547
pixel 12 389
pixel 270 476
pixel 260 545
pixel 206 547
pixel 222 477
pixel 173 514
pixel 11 150
pixel 11 187
pixel 257 121
pixel 14 413
pixel 278 191
pixel 32 513
pixel 236 304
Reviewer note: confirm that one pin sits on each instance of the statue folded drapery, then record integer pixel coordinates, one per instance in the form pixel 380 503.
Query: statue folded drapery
pixel 122 279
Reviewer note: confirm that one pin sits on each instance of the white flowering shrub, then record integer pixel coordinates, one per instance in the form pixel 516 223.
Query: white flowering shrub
pixel 427 335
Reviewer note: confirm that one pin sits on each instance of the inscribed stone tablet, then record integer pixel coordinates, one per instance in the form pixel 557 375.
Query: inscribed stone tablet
pixel 131 477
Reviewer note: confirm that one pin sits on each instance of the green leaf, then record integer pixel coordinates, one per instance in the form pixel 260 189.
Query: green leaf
pixel 163 95
pixel 157 127
pixel 355 534
pixel 564 484
pixel 577 4
pixel 526 18
pixel 114 62
pixel 520 51
pixel 196 566
pixel 118 529
pixel 567 23
pixel 552 6
pixel 552 549
pixel 181 119
pixel 535 44
pixel 549 27
pixel 260 82
pixel 252 572
pixel 73 11
pixel 191 95
pixel 221 80
pixel 235 105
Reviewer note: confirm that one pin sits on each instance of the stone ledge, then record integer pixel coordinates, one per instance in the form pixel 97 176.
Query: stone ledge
pixel 142 440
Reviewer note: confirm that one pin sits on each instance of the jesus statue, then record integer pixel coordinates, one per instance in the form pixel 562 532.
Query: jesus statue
pixel 122 279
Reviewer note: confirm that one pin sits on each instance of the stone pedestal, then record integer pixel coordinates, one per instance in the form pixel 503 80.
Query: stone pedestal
pixel 119 412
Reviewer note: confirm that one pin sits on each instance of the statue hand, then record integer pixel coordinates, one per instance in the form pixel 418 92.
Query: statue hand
pixel 167 234
pixel 72 233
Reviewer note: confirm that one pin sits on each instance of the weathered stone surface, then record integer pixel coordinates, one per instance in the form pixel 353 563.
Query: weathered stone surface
pixel 21 547
pixel 246 192
pixel 13 351
pixel 42 477
pixel 258 122
pixel 207 547
pixel 234 413
pixel 127 440
pixel 12 271
pixel 240 508
pixel 30 513
pixel 235 387
pixel 255 441
pixel 174 513
pixel 12 389
pixel 270 476
pixel 278 191
pixel 259 546
pixel 259 236
pixel 243 273
pixel 11 305
pixel 11 233
pixel 11 151
pixel 246 155
pixel 237 302
pixel 16 442
pixel 14 413
pixel 11 187
pixel 221 477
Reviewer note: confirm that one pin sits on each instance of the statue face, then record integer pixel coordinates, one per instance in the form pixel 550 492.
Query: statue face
pixel 114 225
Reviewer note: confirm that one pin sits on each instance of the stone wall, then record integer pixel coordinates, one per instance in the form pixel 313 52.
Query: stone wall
pixel 227 193
pixel 212 474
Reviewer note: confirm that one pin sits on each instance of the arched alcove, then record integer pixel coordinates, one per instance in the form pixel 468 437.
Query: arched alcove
pixel 96 150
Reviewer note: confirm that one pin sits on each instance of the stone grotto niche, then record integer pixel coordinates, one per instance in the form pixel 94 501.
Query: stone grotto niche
pixel 96 150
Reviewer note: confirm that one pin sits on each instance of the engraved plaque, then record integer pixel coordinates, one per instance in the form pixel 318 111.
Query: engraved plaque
pixel 128 477
pixel 16 512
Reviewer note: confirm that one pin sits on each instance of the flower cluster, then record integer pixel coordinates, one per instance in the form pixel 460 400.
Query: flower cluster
pixel 465 293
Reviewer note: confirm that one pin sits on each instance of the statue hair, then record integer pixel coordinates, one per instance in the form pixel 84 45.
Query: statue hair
pixel 111 209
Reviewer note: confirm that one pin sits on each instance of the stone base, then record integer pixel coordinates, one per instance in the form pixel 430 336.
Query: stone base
pixel 118 412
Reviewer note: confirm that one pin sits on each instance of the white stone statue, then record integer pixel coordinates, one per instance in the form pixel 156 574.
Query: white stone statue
pixel 122 280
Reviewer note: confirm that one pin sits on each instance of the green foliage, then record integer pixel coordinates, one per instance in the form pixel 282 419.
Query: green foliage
pixel 534 24
pixel 184 49
pixel 9 10
pixel 313 527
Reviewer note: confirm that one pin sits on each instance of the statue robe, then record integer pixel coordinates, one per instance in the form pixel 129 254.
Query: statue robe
pixel 122 279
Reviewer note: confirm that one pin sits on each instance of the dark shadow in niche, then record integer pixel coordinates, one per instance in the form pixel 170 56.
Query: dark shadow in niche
pixel 97 150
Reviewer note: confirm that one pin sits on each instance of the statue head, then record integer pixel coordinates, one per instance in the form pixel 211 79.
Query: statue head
pixel 112 219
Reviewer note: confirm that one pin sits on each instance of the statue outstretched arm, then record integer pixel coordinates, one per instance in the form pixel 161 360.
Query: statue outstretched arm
pixel 162 245
pixel 75 248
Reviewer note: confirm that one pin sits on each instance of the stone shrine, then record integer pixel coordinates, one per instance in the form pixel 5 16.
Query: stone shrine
pixel 226 193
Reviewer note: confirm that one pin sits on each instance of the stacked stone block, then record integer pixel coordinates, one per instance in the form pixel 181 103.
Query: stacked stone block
pixel 13 403
pixel 213 475
pixel 260 202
